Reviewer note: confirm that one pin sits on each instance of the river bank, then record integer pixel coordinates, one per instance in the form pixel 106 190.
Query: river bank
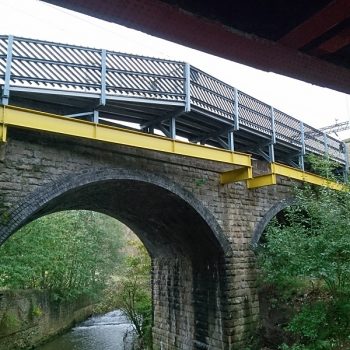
pixel 105 332
pixel 31 317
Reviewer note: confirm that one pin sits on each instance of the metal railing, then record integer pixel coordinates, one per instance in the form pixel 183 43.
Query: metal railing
pixel 36 66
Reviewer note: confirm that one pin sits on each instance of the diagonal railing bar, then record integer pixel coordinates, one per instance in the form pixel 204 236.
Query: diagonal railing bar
pixel 39 66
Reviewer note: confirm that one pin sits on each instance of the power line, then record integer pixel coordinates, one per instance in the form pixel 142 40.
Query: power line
pixel 334 128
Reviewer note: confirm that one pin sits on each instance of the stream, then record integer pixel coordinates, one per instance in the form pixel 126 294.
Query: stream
pixel 103 332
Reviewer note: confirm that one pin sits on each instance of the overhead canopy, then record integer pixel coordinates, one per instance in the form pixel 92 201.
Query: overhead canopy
pixel 307 40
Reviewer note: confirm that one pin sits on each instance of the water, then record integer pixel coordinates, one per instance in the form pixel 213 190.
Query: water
pixel 104 332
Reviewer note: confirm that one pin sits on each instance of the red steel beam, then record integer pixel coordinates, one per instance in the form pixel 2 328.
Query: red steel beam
pixel 335 43
pixel 324 20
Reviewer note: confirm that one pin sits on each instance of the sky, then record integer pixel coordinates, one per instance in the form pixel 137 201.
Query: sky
pixel 314 105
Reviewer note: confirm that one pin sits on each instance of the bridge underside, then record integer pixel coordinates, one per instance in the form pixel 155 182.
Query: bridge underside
pixel 151 116
pixel 186 256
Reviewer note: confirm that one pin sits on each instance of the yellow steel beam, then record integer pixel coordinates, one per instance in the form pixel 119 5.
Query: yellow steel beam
pixel 261 181
pixel 236 175
pixel 291 173
pixel 3 127
pixel 297 174
pixel 30 119
pixel 3 133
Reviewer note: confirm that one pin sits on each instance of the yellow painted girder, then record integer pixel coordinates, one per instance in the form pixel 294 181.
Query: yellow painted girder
pixel 277 169
pixel 3 127
pixel 297 174
pixel 29 119
pixel 291 173
pixel 235 175
pixel 3 133
pixel 262 181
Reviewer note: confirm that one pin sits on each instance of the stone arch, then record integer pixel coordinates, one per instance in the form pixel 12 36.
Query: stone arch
pixel 272 212
pixel 53 197
pixel 185 241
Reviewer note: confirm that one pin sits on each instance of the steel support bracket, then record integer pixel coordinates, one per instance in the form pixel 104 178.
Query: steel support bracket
pixel 79 115
pixel 3 133
pixel 157 121
pixel 215 135
pixel 262 181
pixel 223 143
pixel 269 157
pixel 240 174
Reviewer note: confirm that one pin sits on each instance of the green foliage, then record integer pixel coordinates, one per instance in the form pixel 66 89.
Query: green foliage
pixel 311 247
pixel 130 291
pixel 36 311
pixel 315 242
pixel 9 322
pixel 5 217
pixel 322 324
pixel 80 253
pixel 135 293
pixel 200 182
pixel 324 167
pixel 69 253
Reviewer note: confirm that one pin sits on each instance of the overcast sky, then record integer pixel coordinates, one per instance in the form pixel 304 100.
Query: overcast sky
pixel 35 19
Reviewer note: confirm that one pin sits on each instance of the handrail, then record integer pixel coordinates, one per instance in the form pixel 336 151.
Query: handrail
pixel 28 64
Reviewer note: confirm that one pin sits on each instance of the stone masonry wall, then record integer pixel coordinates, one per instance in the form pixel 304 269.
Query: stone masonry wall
pixel 198 232
pixel 28 318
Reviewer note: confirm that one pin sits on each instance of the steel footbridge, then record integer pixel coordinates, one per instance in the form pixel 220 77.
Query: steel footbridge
pixel 152 103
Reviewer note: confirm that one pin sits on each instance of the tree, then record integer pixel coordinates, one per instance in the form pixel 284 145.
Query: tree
pixel 130 291
pixel 81 253
pixel 311 247
pixel 135 293
pixel 68 253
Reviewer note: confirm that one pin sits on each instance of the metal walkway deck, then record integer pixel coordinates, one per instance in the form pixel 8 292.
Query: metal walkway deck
pixel 172 97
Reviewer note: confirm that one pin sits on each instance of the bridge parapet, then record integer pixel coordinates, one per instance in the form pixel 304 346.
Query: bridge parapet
pixel 173 98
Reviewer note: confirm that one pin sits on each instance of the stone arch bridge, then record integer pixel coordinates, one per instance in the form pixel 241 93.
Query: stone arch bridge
pixel 197 231
pixel 197 205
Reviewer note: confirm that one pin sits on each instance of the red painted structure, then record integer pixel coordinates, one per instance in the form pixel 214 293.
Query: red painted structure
pixel 307 40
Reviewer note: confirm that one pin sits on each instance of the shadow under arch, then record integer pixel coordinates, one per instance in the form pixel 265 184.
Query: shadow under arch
pixel 109 191
pixel 185 242
pixel 272 212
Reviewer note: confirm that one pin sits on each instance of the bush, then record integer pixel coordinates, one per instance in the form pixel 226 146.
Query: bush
pixel 70 254
pixel 311 246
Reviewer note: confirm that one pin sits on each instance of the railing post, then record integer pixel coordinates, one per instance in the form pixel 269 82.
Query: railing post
pixel 302 139
pixel 187 76
pixel 325 144
pixel 95 117
pixel 103 77
pixel 6 89
pixel 173 128
pixel 231 136
pixel 273 136
pixel 231 141
pixel 236 110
